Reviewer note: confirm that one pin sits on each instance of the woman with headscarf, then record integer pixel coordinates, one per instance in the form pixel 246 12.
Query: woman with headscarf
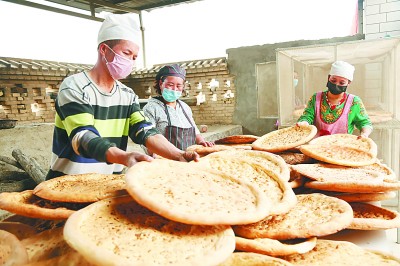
pixel 335 111
pixel 171 116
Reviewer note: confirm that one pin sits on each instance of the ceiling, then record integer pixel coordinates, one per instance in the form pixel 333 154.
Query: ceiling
pixel 92 8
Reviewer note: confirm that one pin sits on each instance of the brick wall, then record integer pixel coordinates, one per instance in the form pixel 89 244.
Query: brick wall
pixel 382 18
pixel 28 88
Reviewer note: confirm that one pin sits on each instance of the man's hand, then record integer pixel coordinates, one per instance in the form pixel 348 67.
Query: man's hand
pixel 188 156
pixel 207 143
pixel 134 157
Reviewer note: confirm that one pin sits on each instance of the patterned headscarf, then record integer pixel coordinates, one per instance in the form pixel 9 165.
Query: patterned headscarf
pixel 171 70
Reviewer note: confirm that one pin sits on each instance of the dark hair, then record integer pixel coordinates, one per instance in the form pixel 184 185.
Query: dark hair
pixel 110 43
pixel 156 85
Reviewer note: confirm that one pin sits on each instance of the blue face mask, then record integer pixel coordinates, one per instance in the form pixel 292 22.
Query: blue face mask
pixel 171 95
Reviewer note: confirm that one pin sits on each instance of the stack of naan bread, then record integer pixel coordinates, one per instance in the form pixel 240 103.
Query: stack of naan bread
pixel 265 200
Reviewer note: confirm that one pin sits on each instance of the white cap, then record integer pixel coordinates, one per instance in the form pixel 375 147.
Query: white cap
pixel 119 27
pixel 342 69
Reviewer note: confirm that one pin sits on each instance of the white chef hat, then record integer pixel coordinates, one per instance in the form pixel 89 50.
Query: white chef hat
pixel 342 69
pixel 119 27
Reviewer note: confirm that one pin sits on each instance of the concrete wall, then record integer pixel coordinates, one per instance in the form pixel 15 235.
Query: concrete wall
pixel 242 64
pixel 381 18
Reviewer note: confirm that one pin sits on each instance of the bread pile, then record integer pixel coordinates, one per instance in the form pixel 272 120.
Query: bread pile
pixel 269 205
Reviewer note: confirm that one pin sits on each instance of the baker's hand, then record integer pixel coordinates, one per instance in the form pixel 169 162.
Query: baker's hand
pixel 302 123
pixel 207 143
pixel 188 156
pixel 134 157
pixel 361 136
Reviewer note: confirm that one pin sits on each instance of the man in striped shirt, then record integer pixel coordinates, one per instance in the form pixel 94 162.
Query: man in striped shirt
pixel 95 113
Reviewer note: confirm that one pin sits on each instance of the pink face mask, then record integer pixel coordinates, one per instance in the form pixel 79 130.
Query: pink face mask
pixel 120 67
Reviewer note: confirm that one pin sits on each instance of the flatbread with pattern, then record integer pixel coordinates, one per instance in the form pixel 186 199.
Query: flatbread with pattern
pixel 119 231
pixel 89 187
pixel 277 190
pixel 371 217
pixel 330 253
pixel 203 151
pixel 274 247
pixel 314 215
pixel 267 160
pixel 324 172
pixel 190 193
pixel 388 172
pixel 285 138
pixel 332 185
pixel 348 140
pixel 340 155
pixel 12 252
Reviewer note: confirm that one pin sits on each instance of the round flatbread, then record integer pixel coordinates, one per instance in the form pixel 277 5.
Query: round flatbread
pixel 285 138
pixel 12 252
pixel 277 190
pixel 237 139
pixel 314 215
pixel 20 230
pixel 295 158
pixel 27 204
pixel 81 188
pixel 330 253
pixel 340 155
pixel 203 151
pixel 388 173
pixel 348 140
pixel 46 245
pixel 253 259
pixel 332 185
pixel 371 217
pixel 119 231
pixel 189 193
pixel 324 172
pixel 361 197
pixel 274 247
pixel 267 160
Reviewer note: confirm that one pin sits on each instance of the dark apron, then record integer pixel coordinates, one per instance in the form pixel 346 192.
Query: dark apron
pixel 180 137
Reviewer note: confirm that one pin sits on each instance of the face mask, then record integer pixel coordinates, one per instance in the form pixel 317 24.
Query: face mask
pixel 171 95
pixel 120 67
pixel 335 89
pixel 295 82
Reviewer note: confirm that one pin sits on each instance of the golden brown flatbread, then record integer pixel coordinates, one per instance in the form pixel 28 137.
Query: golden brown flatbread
pixel 203 151
pixel 27 204
pixel 295 158
pixel 324 172
pixel 189 193
pixel 371 217
pixel 12 252
pixel 285 139
pixel 275 248
pixel 237 139
pixel 348 140
pixel 277 189
pixel 314 215
pixel 253 259
pixel 340 155
pixel 46 245
pixel 118 231
pixel 330 253
pixel 89 187
pixel 267 160
pixel 388 173
pixel 20 230
pixel 361 197
pixel 354 187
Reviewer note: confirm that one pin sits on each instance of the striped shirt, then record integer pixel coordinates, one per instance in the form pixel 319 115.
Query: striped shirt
pixel 83 111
